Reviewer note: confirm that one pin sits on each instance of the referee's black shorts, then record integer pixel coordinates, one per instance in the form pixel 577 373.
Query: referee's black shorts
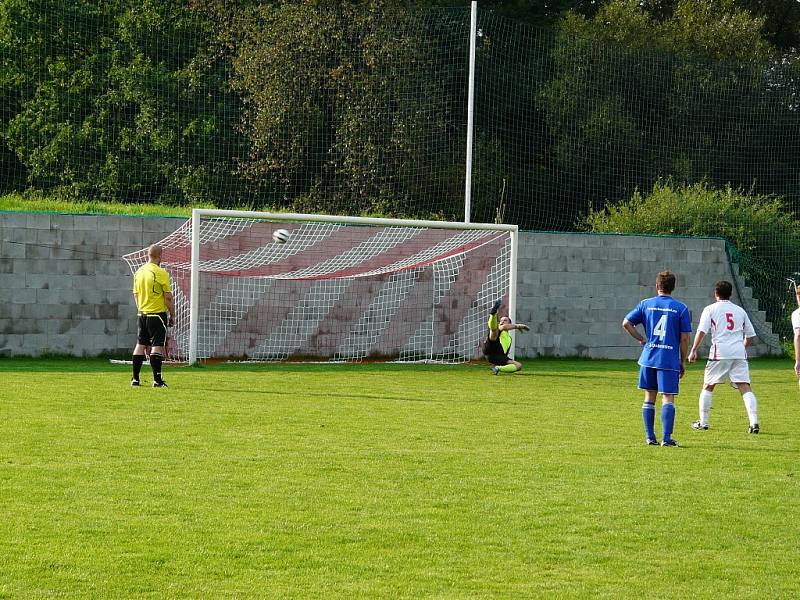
pixel 152 329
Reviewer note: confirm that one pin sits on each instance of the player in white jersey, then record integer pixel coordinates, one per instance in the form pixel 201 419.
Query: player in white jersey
pixel 731 332
pixel 796 327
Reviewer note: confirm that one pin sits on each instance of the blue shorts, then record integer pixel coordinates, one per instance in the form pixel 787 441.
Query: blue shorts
pixel 665 382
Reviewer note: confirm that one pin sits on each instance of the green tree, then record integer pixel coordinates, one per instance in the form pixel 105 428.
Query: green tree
pixel 113 102
pixel 635 98
pixel 348 108
pixel 781 19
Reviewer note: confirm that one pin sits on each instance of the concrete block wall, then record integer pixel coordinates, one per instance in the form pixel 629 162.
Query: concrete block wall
pixel 64 288
pixel 574 290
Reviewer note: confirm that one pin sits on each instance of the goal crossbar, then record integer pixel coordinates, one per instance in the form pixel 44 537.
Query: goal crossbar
pixel 287 217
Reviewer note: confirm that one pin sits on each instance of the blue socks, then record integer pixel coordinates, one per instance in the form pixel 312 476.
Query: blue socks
pixel 649 417
pixel 667 420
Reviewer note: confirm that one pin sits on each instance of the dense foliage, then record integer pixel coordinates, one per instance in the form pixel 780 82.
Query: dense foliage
pixel 360 135
pixel 697 95
pixel 751 222
pixel 112 100
pixel 267 103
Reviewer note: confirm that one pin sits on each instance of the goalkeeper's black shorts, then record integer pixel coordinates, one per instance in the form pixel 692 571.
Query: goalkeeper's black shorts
pixel 493 351
pixel 152 329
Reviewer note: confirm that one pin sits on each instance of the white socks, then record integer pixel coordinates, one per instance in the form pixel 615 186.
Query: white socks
pixel 751 404
pixel 705 406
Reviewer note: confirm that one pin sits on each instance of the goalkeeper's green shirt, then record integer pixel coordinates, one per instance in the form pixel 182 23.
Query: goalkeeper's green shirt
pixel 505 341
pixel 505 338
pixel 150 283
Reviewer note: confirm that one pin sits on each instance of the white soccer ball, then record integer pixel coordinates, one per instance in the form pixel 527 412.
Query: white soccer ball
pixel 281 236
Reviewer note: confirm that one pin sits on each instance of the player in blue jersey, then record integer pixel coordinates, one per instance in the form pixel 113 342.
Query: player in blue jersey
pixel 667 324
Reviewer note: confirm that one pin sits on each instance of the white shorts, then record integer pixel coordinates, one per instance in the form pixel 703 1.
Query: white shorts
pixel 735 370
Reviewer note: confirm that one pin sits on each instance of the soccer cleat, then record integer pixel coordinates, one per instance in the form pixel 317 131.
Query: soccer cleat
pixel 699 426
pixel 495 370
pixel 753 428
pixel 134 383
pixel 670 443
pixel 496 307
pixel 651 442
pixel 160 384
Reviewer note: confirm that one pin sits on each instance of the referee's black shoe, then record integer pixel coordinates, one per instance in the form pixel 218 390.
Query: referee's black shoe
pixel 134 382
pixel 161 383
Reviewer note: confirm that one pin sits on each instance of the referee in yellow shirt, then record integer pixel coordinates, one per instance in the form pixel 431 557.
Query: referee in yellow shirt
pixel 156 307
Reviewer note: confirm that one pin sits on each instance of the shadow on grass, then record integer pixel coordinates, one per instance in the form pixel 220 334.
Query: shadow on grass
pixel 57 365
pixel 532 366
pixel 319 395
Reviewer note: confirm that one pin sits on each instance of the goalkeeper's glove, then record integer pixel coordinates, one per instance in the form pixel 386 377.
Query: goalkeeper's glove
pixel 496 307
pixel 523 327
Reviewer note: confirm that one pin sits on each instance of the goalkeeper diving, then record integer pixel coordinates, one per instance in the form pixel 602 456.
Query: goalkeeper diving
pixel 498 342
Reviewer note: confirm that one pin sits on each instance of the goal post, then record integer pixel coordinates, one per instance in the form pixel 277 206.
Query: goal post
pixel 342 289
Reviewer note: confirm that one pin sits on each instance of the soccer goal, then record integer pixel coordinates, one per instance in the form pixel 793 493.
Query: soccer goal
pixel 336 289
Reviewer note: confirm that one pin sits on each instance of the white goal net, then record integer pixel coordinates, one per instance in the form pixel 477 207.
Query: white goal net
pixel 340 288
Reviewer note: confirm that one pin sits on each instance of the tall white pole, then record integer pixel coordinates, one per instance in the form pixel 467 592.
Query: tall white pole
pixel 512 283
pixel 194 288
pixel 473 32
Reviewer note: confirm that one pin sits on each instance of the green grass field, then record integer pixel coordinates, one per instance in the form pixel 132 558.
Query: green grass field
pixel 390 481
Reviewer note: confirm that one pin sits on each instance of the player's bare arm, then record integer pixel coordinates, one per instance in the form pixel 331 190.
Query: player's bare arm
pixel 698 339
pixel 797 352
pixel 684 351
pixel 170 302
pixel 631 329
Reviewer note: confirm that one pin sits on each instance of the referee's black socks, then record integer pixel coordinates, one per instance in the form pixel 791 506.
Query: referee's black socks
pixel 155 363
pixel 138 361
